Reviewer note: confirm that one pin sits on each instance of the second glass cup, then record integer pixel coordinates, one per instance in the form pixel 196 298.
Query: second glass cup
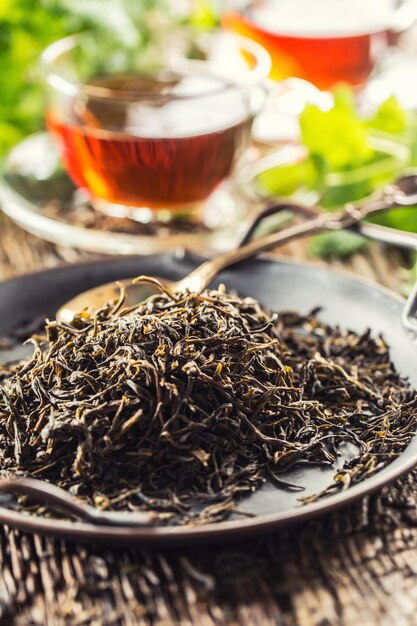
pixel 153 140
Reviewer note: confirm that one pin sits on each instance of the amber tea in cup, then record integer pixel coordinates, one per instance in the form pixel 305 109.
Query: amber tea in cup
pixel 321 41
pixel 160 159
pixel 162 138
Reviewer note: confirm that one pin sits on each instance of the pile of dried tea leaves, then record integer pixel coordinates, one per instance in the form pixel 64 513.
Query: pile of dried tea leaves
pixel 187 402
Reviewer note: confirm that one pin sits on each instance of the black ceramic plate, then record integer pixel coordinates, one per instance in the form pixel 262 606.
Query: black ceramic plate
pixel 277 284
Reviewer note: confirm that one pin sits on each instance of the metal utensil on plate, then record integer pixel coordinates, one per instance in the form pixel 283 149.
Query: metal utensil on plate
pixel 402 193
pixel 48 494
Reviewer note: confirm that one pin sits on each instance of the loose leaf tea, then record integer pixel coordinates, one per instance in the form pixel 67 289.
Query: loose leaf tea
pixel 187 402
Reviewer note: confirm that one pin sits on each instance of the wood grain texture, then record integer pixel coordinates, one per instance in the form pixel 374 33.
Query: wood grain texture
pixel 356 567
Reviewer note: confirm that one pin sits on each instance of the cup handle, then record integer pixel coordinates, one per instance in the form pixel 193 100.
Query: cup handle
pixel 282 102
pixel 405 15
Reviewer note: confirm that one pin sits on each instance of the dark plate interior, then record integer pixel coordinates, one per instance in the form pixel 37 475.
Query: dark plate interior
pixel 349 303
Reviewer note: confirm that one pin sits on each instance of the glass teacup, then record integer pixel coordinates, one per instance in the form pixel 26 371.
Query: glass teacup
pixel 322 41
pixel 153 139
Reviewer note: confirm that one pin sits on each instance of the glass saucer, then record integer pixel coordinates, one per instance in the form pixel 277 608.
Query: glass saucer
pixel 37 194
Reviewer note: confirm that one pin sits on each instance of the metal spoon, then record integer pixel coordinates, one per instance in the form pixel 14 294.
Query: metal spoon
pixel 48 494
pixel 402 193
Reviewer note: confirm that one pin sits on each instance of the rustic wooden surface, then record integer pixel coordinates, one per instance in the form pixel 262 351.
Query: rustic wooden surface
pixel 354 568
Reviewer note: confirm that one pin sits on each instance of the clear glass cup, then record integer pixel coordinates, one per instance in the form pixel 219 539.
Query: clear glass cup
pixel 322 41
pixel 152 132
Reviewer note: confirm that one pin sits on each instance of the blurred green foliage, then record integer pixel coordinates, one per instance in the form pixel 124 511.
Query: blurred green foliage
pixel 337 137
pixel 340 244
pixel 203 14
pixel 28 26
pixel 343 163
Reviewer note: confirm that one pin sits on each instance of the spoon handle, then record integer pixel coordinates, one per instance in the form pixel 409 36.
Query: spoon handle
pixel 350 215
pixel 48 494
pixel 376 232
pixel 205 273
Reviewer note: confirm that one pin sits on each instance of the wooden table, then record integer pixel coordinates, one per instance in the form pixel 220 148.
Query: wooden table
pixel 354 568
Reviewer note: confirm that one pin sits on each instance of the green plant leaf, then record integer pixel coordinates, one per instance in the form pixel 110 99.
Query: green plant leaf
pixel 389 118
pixel 27 27
pixel 203 14
pixel 287 179
pixel 339 244
pixel 339 136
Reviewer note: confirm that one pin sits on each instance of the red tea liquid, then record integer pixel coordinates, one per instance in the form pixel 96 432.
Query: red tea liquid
pixel 163 154
pixel 322 42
